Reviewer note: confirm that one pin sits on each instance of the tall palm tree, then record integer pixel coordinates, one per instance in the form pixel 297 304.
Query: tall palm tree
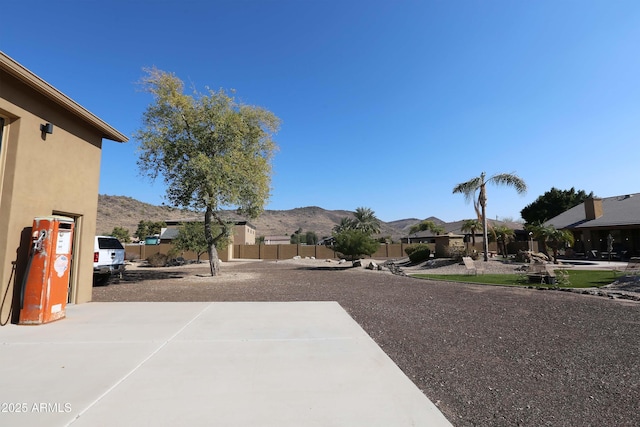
pixel 364 219
pixel 469 188
pixel 471 226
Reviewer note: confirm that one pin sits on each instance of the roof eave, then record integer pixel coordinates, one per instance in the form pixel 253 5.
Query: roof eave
pixel 27 77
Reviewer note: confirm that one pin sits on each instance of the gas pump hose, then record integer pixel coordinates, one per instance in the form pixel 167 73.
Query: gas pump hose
pixel 6 294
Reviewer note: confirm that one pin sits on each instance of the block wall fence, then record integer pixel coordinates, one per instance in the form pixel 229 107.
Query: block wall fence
pixel 280 252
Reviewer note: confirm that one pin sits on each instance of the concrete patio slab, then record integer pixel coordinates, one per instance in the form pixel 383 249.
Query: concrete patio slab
pixel 230 364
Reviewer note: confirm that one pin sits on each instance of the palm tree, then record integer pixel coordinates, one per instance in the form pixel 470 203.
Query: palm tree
pixel 471 226
pixel 469 188
pixel 345 224
pixel 553 238
pixel 365 220
pixel 503 235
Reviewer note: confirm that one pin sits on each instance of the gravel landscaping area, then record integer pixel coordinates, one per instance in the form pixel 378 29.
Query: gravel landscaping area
pixel 485 355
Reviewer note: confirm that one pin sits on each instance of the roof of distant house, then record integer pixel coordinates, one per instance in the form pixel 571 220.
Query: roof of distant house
pixel 616 211
pixel 455 228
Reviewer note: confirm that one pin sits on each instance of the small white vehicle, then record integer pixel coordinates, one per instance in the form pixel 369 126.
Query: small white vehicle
pixel 108 259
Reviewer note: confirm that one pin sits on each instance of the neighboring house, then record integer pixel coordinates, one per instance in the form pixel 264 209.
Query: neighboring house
pixel 327 241
pixel 455 228
pixel 50 149
pixel 244 233
pixel 277 240
pixel 604 225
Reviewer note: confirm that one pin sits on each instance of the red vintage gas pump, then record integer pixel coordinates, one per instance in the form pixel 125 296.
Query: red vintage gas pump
pixel 44 292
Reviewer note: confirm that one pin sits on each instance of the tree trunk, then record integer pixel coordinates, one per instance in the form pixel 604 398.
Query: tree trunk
pixel 485 237
pixel 214 261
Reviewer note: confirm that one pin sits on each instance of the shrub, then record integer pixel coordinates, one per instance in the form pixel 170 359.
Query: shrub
pixel 418 253
pixel 157 260
pixel 410 249
pixel 354 244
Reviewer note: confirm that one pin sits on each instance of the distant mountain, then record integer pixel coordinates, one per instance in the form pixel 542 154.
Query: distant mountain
pixel 405 224
pixel 127 212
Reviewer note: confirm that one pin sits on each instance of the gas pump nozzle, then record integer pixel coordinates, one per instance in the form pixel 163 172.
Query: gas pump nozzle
pixel 37 239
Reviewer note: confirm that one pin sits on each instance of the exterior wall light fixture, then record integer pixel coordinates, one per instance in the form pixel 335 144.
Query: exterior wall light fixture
pixel 46 128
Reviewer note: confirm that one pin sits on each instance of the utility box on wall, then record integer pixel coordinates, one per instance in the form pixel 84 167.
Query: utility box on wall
pixel 44 293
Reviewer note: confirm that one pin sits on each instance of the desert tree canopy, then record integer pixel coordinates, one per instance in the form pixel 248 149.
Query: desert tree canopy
pixel 553 203
pixel 212 151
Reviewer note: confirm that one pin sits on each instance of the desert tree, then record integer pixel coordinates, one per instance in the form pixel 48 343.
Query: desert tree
pixel 212 151
pixel 553 203
pixel 353 235
pixel 121 233
pixel 311 238
pixel 355 243
pixel 427 225
pixel 191 237
pixel 478 185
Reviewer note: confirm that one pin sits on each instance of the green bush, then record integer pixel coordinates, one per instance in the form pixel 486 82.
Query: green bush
pixel 410 249
pixel 157 260
pixel 418 253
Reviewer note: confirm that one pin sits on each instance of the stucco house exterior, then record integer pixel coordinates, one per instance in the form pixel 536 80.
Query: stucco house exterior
pixel 603 226
pixel 277 240
pixel 244 233
pixel 50 152
pixel 454 229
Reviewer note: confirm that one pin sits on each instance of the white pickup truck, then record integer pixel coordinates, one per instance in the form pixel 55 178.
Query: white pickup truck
pixel 108 259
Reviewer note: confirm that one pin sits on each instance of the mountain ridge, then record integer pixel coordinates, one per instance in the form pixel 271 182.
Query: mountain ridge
pixel 127 212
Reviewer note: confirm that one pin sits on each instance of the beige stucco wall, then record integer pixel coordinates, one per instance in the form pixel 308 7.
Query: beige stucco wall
pixel 244 234
pixel 59 174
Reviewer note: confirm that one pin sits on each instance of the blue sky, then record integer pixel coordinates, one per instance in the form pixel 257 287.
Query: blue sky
pixel 384 104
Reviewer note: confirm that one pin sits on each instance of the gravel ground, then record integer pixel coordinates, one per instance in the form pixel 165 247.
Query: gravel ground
pixel 485 355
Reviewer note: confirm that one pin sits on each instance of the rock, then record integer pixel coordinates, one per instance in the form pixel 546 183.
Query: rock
pixel 372 266
pixel 327 260
pixel 297 257
pixel 357 263
pixel 342 261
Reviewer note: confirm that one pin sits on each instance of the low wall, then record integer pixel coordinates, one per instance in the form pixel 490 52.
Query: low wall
pixel 282 251
pixel 145 251
pixel 273 252
pixel 395 250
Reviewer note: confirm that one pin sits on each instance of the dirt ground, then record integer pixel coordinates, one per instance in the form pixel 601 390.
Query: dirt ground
pixel 485 355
